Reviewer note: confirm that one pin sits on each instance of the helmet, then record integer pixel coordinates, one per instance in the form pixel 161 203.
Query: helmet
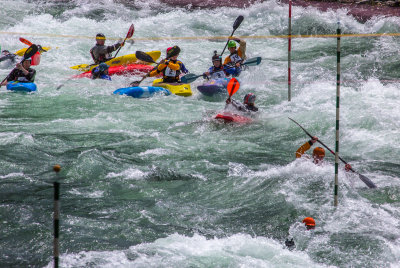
pixel 309 221
pixel 231 43
pixel 319 151
pixel 216 57
pixel 173 51
pixel 249 98
pixel 103 66
pixel 100 36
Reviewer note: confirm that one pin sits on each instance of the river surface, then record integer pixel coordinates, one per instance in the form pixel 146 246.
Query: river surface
pixel 158 183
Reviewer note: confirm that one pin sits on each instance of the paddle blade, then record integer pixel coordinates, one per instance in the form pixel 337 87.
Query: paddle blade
pixel 135 84
pixel 30 51
pixel 189 78
pixel 130 32
pixel 26 42
pixel 233 86
pixel 252 61
pixel 237 22
pixel 367 181
pixel 140 55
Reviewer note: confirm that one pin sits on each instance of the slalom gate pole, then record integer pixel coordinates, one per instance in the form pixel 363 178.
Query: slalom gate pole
pixel 289 52
pixel 56 218
pixel 335 202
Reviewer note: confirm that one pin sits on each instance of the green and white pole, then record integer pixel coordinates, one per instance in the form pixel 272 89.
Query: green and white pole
pixel 338 32
pixel 56 218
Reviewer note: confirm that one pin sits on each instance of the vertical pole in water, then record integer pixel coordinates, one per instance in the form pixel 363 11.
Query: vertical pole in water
pixel 338 32
pixel 56 218
pixel 289 51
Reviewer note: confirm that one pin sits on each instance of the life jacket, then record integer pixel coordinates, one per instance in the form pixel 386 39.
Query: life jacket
pixel 169 74
pixel 18 75
pixel 217 72
pixel 235 57
pixel 102 53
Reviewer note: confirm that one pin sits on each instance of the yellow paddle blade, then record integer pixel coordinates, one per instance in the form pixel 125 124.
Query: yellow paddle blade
pixel 80 67
pixel 21 52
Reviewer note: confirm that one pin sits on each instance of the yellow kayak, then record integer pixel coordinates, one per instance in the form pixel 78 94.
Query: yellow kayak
pixel 21 52
pixel 179 89
pixel 122 60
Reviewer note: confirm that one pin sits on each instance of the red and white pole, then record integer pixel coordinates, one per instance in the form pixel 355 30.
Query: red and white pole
pixel 289 51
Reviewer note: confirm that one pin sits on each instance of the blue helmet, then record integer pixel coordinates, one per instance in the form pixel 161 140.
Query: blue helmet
pixel 103 66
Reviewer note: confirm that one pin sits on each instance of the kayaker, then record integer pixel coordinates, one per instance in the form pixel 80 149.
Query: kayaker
pixel 310 225
pixel 6 55
pixel 171 67
pixel 100 52
pixel 248 103
pixel 220 71
pixel 101 72
pixel 217 70
pixel 318 152
pixel 236 55
pixel 22 73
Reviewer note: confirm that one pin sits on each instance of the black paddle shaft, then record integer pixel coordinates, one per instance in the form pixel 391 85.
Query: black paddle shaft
pixel 236 25
pixel 366 180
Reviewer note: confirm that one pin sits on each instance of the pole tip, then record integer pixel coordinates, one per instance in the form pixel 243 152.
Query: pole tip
pixel 56 168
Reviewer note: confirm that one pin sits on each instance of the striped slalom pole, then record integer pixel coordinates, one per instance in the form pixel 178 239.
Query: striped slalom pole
pixel 338 31
pixel 56 218
pixel 289 52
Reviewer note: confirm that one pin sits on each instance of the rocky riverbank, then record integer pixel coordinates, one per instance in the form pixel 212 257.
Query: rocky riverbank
pixel 362 10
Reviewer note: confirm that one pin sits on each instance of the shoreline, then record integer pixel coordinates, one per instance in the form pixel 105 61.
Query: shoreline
pixel 362 10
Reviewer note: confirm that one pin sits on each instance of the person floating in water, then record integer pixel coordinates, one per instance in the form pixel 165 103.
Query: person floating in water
pixel 309 223
pixel 318 154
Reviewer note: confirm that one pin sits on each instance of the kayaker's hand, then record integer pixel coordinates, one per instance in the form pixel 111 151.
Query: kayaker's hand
pixel 314 139
pixel 234 39
pixel 228 100
pixel 347 167
pixel 205 75
pixel 19 66
pixel 237 64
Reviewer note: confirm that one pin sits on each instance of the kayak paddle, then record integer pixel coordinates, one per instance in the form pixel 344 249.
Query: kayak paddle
pixel 128 35
pixel 366 180
pixel 29 43
pixel 28 53
pixel 233 86
pixel 87 67
pixel 189 78
pixel 140 55
pixel 236 24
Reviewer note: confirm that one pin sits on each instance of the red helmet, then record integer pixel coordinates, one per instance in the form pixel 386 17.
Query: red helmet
pixel 249 98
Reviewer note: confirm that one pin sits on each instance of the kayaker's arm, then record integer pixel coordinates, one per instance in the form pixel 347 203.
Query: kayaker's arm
pixel 173 66
pixel 242 49
pixel 302 149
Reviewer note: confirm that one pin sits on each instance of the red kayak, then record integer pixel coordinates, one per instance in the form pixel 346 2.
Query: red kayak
pixel 130 69
pixel 231 117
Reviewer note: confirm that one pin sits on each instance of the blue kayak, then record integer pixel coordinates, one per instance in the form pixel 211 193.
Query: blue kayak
pixel 214 87
pixel 21 86
pixel 141 92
